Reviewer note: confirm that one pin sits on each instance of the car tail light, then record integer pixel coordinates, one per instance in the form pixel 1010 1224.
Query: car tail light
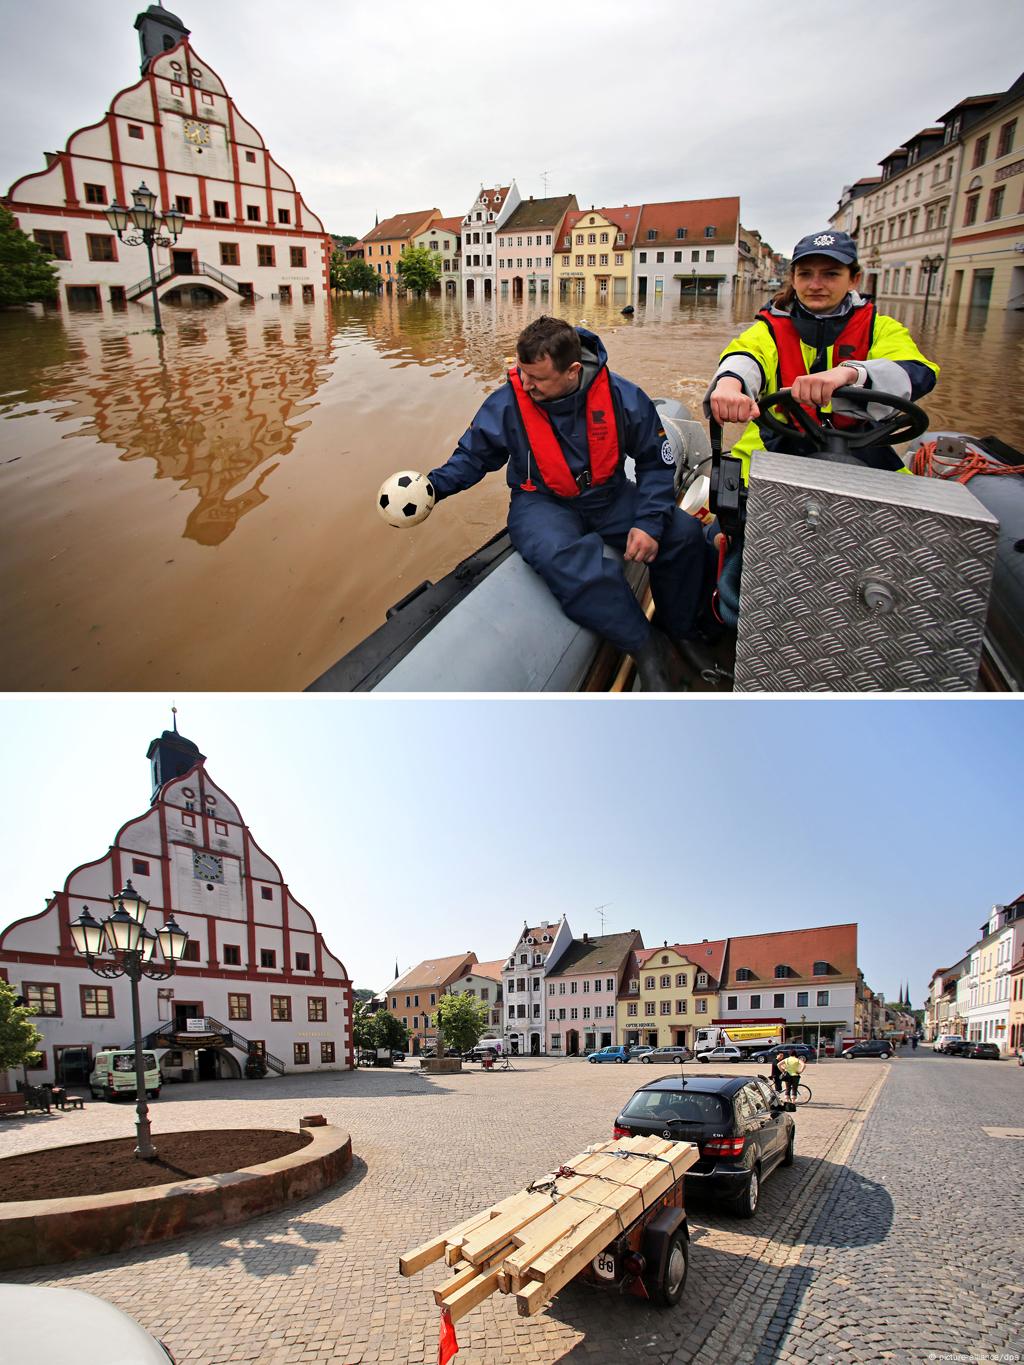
pixel 731 1146
pixel 618 1132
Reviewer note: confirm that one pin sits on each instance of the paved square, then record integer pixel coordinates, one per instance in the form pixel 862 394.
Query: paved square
pixel 320 1282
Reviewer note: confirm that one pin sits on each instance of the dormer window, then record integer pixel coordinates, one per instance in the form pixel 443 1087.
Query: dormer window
pixel 702 979
pixel 546 938
pixel 497 198
pixel 745 974
pixel 652 234
pixel 782 970
pixel 709 231
pixel 680 234
pixel 820 969
pixel 531 939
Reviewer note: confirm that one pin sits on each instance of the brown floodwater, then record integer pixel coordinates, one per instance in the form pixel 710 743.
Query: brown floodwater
pixel 198 510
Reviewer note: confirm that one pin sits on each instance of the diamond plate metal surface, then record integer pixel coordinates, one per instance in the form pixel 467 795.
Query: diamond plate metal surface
pixel 861 580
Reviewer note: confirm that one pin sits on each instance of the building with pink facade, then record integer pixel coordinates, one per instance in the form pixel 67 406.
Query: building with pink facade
pixel 525 246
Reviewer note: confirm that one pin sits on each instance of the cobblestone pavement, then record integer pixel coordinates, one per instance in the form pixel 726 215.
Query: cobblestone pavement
pixel 319 1282
pixel 914 1253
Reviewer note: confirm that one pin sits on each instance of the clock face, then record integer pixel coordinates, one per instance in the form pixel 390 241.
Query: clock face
pixel 197 133
pixel 207 867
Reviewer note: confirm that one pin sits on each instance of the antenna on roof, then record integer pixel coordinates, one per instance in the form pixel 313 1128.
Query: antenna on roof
pixel 544 179
pixel 174 718
pixel 599 911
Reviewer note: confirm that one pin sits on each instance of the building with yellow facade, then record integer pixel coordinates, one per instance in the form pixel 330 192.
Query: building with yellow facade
pixel 670 992
pixel 594 259
pixel 986 252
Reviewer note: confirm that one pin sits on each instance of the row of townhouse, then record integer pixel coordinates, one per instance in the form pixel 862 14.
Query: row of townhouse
pixel 256 980
pixel 982 995
pixel 564 996
pixel 506 246
pixel 945 219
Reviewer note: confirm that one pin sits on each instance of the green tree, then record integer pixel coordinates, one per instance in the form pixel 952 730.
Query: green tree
pixel 353 275
pixel 460 1019
pixel 27 272
pixel 419 269
pixel 377 1030
pixel 18 1034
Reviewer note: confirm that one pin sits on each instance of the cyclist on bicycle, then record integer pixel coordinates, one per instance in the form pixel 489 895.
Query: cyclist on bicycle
pixel 792 1067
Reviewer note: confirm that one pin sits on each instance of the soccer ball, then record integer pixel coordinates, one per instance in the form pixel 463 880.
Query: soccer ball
pixel 405 498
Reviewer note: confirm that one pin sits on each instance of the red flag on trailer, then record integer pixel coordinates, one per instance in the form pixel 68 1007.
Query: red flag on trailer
pixel 447 1346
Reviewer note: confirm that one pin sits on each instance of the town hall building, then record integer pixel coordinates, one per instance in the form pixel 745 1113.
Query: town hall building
pixel 257 981
pixel 248 232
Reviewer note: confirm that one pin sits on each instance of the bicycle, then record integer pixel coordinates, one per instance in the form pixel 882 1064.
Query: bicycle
pixel 803 1094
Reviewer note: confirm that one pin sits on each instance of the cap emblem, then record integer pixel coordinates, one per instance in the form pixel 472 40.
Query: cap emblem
pixel 824 239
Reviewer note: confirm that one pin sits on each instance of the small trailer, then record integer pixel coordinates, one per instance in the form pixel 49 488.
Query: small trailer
pixel 613 1217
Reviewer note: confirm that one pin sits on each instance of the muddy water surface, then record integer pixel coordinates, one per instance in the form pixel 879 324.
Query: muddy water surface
pixel 197 511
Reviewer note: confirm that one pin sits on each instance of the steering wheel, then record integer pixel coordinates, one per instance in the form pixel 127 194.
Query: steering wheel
pixel 839 443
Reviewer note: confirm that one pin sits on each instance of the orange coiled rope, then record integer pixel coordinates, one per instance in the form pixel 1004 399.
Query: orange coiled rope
pixel 923 462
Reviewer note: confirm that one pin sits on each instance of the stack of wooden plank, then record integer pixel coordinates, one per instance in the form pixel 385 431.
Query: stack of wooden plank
pixel 533 1243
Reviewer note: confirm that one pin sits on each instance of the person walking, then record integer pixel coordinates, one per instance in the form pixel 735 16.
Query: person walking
pixel 792 1068
pixel 776 1072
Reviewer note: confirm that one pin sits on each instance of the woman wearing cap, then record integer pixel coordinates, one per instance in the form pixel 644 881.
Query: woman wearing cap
pixel 817 335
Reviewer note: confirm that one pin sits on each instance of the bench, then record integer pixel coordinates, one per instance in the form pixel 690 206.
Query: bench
pixel 71 1102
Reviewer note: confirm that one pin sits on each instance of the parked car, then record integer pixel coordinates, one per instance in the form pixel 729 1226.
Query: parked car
pixel 639 1052
pixel 742 1128
pixel 610 1054
pixel 728 1052
pixel 70 1327
pixel 667 1054
pixel 872 1047
pixel 986 1052
pixel 944 1039
pixel 787 1050
pixel 113 1075
pixel 957 1047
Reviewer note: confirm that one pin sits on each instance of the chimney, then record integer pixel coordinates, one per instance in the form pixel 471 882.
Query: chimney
pixel 586 938
pixel 666 943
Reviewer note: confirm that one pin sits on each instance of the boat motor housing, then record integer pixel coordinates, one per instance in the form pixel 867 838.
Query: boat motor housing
pixel 860 580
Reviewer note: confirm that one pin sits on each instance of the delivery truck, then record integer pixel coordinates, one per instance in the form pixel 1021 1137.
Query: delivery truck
pixel 747 1037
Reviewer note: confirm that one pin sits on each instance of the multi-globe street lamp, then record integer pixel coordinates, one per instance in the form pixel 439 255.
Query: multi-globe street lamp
pixel 124 935
pixel 147 223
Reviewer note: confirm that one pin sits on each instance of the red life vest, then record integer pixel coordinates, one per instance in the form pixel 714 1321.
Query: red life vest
pixel 852 343
pixel 602 438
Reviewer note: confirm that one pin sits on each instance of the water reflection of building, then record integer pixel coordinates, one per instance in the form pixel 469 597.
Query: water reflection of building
pixel 248 232
pixel 526 246
pixel 216 406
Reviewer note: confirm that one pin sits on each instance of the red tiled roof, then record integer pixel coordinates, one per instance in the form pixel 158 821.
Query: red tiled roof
pixel 625 219
pixel 692 214
pixel 402 225
pixel 492 970
pixel 445 225
pixel 708 955
pixel 798 949
pixel 437 971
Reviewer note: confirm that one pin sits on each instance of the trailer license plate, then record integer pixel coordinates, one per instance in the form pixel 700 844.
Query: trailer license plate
pixel 604 1265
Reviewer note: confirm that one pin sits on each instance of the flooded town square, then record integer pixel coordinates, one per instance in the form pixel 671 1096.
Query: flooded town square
pixel 196 510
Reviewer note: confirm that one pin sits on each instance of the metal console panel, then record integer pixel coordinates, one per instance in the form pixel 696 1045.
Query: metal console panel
pixel 861 580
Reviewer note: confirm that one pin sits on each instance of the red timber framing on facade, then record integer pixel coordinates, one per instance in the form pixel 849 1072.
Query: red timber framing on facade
pixel 206 873
pixel 177 129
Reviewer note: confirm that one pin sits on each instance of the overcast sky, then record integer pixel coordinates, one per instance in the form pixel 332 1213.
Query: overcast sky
pixel 414 829
pixel 380 109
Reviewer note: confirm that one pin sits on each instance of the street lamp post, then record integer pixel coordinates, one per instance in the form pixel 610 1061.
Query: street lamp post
pixel 931 264
pixel 124 935
pixel 694 274
pixel 147 223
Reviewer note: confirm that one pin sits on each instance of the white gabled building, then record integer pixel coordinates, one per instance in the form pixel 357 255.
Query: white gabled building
pixel 257 978
pixel 491 209
pixel 248 232
pixel 537 952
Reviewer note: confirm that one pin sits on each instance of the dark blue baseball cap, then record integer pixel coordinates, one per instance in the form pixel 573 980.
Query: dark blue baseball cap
pixel 840 246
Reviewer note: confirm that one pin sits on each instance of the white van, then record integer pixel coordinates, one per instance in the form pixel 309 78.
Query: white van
pixel 489 1047
pixel 113 1075
pixel 943 1041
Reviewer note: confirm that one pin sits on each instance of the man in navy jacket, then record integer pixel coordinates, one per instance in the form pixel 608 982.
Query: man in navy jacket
pixel 563 425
